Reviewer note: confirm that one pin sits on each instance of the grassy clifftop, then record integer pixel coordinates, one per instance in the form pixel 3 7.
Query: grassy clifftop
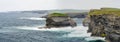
pixel 114 11
pixel 57 15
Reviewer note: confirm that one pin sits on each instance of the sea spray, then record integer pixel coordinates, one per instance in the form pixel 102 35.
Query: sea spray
pixel 32 18
pixel 81 31
pixel 78 31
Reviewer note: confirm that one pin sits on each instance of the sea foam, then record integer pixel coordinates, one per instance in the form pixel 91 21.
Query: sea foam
pixel 79 31
pixel 33 18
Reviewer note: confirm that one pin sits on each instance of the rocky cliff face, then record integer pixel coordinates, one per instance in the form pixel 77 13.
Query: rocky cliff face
pixel 104 22
pixel 60 22
pixel 105 25
pixel 86 21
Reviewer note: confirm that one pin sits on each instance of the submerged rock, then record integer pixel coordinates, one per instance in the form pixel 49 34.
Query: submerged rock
pixel 54 20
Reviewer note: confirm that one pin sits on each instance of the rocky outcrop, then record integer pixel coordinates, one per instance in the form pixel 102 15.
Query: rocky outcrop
pixel 60 22
pixel 86 21
pixel 105 25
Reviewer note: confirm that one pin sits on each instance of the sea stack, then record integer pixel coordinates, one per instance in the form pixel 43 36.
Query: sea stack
pixel 105 22
pixel 59 20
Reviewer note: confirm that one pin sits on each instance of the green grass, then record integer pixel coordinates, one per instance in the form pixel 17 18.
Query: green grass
pixel 103 35
pixel 58 15
pixel 101 11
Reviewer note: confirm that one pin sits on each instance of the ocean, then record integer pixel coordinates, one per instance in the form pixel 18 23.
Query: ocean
pixel 24 27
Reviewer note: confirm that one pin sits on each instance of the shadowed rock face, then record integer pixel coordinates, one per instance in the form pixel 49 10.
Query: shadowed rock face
pixel 60 22
pixel 105 25
pixel 86 21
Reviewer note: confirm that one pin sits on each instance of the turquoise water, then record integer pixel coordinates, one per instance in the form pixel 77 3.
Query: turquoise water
pixel 23 27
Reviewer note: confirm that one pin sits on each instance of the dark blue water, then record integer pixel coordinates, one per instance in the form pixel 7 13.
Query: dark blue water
pixel 9 31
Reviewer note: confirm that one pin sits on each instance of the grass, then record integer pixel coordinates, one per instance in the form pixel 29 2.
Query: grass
pixel 101 11
pixel 58 15
pixel 103 35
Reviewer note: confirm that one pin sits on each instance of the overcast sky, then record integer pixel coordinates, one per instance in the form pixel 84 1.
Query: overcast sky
pixel 88 4
pixel 13 5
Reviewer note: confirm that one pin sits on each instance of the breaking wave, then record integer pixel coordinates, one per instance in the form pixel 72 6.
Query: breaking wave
pixel 33 18
pixel 78 31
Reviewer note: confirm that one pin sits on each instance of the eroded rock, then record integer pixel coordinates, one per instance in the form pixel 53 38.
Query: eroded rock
pixel 59 21
pixel 105 26
pixel 105 23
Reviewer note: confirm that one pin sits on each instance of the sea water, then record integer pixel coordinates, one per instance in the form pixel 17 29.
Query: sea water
pixel 24 27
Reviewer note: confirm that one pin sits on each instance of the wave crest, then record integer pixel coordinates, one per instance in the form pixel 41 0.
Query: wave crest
pixel 33 18
pixel 78 31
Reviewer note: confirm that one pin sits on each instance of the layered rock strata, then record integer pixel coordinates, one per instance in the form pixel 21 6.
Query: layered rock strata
pixel 105 23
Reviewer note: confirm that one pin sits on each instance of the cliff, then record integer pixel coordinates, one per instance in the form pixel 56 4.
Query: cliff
pixel 59 20
pixel 105 22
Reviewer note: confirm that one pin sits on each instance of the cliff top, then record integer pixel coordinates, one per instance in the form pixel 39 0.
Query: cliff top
pixel 58 15
pixel 114 11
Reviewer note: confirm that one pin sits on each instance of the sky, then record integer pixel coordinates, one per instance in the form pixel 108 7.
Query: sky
pixel 20 5
pixel 88 4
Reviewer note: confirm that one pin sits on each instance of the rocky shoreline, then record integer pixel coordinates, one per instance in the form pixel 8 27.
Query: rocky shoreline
pixel 105 25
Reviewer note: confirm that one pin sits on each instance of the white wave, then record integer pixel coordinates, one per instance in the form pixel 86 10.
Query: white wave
pixel 66 29
pixel 94 38
pixel 81 31
pixel 78 31
pixel 33 18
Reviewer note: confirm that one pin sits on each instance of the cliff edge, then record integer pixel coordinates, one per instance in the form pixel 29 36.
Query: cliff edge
pixel 105 22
